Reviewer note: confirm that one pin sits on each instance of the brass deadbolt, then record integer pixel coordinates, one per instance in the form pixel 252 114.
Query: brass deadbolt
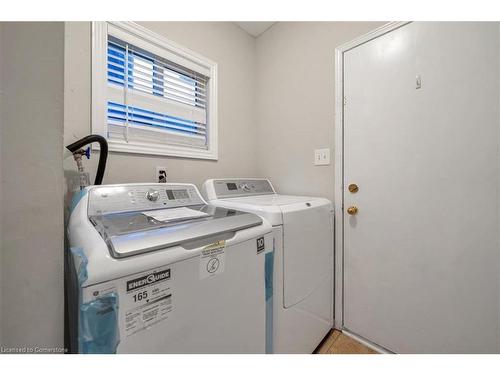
pixel 353 210
pixel 353 188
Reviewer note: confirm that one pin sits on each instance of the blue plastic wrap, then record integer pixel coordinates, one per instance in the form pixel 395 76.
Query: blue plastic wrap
pixel 80 261
pixel 77 196
pixel 99 332
pixel 269 271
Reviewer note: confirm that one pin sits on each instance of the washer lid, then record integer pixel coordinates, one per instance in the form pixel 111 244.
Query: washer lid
pixel 133 233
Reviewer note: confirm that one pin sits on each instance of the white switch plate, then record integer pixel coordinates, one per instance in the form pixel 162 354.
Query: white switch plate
pixel 322 156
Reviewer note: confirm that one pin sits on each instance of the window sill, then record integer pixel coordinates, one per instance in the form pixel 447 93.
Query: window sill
pixel 167 150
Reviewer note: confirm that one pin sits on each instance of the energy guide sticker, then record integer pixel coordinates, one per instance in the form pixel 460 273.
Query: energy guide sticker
pixel 148 300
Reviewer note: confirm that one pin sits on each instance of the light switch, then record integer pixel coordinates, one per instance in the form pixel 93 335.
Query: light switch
pixel 322 156
pixel 418 82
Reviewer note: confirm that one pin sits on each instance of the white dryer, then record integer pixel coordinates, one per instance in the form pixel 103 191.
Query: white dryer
pixel 303 257
pixel 155 269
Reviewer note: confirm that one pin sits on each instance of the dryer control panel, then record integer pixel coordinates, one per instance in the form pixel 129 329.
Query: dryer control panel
pixel 228 188
pixel 136 197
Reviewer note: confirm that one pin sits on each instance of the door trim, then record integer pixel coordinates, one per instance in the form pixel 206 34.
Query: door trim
pixel 339 163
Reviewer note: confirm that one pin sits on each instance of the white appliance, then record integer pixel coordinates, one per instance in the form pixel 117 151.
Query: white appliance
pixel 157 270
pixel 303 257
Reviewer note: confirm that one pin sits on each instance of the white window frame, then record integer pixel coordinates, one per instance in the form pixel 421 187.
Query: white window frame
pixel 177 54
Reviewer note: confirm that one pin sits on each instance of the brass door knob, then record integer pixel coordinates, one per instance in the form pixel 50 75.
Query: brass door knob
pixel 353 210
pixel 353 188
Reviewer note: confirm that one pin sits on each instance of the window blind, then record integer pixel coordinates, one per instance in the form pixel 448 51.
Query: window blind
pixel 153 100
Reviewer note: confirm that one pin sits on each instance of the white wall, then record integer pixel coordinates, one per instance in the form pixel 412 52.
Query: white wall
pixel 295 101
pixel 224 42
pixel 31 186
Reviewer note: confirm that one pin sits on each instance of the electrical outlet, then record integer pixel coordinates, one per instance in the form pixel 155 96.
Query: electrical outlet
pixel 161 174
pixel 322 156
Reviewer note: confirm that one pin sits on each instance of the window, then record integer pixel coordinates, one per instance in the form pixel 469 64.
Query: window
pixel 150 95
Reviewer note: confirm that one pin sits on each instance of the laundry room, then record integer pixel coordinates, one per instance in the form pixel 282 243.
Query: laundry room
pixel 312 185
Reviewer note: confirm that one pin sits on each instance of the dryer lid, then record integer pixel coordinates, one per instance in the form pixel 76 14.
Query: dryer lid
pixel 272 207
pixel 274 200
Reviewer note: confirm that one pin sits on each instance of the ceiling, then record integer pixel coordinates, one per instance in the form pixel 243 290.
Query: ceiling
pixel 255 28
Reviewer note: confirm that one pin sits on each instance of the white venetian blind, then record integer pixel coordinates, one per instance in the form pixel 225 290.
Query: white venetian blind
pixel 153 100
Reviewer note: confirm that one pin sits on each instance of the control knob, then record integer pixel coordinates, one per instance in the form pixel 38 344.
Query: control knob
pixel 245 187
pixel 152 195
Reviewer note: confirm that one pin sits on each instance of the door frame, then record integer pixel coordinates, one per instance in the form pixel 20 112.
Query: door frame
pixel 339 164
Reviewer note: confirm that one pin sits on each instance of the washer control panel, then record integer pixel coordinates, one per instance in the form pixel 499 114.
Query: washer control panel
pixel 240 188
pixel 136 197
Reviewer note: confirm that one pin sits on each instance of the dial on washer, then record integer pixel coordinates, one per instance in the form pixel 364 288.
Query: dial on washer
pixel 152 195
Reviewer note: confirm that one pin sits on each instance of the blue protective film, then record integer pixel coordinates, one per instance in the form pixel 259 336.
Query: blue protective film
pixel 99 333
pixel 269 271
pixel 77 196
pixel 80 261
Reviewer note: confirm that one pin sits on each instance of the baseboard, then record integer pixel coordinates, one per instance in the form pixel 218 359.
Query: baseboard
pixel 366 342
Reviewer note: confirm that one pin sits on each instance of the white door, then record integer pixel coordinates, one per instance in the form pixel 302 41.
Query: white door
pixel 421 256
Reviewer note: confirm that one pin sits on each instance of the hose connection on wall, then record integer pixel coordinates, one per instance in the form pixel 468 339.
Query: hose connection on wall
pixel 78 152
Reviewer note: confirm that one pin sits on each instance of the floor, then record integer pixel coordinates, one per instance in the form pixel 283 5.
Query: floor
pixel 338 343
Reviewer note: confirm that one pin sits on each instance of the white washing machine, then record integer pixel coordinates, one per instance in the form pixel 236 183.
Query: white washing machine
pixel 155 269
pixel 303 257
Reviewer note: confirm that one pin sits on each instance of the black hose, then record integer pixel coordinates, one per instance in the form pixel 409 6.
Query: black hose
pixel 103 154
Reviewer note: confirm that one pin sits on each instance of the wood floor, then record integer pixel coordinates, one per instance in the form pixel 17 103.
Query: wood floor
pixel 338 343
